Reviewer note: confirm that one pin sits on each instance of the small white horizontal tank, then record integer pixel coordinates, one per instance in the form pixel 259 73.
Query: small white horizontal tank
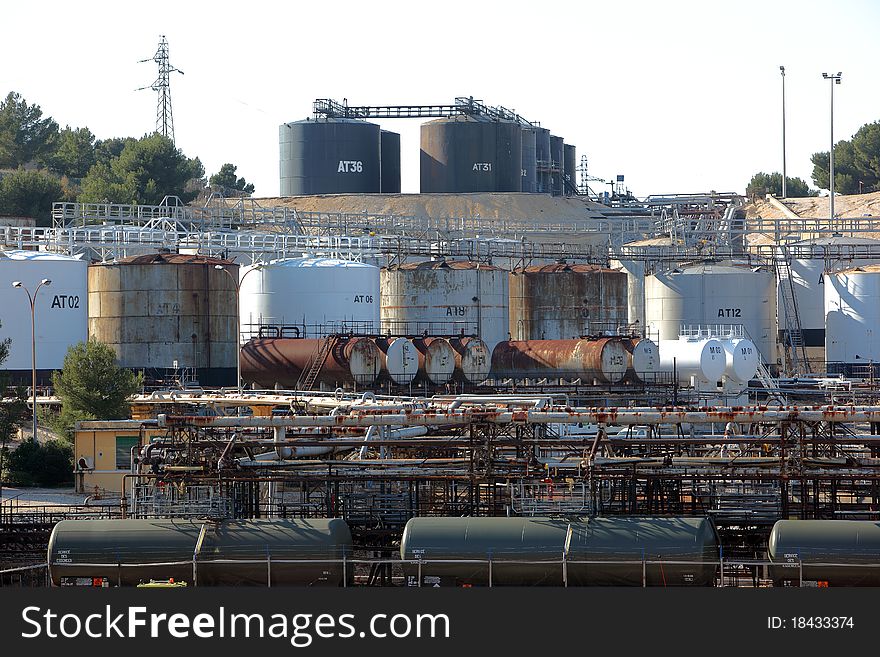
pixel 645 358
pixel 704 360
pixel 742 359
pixel 61 308
pixel 319 295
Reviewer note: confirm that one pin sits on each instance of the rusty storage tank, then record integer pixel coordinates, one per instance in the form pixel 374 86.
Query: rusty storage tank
pixel 604 360
pixel 400 359
pixel 445 297
pixel 462 154
pixel 644 364
pixel 164 308
pixel 389 182
pixel 81 551
pixel 281 361
pixel 529 160
pixel 472 359
pixel 569 172
pixel 316 296
pixel 436 360
pixel 542 159
pixel 565 301
pixel 556 163
pixel 531 551
pixel 329 156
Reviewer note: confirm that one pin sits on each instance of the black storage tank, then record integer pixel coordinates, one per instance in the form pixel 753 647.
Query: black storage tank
pixel 464 154
pixel 569 169
pixel 389 182
pixel 329 156
pixel 529 160
pixel 542 156
pixel 556 155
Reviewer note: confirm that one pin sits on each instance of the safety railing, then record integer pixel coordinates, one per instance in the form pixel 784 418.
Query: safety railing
pixel 348 572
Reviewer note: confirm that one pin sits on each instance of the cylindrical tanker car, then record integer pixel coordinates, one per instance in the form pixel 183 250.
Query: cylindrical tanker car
pixel 604 360
pixel 290 552
pixel 271 361
pixel 618 551
pixel 830 552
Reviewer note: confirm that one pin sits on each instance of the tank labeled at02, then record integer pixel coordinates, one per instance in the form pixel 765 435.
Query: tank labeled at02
pixel 65 302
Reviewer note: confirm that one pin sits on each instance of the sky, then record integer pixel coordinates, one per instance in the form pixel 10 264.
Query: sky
pixel 677 96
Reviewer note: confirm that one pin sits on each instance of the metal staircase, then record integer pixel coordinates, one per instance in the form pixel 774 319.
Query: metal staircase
pixel 316 362
pixel 793 340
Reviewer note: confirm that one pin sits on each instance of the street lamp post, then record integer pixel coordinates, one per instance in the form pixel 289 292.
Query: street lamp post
pixel 835 79
pixel 784 194
pixel 32 298
pixel 237 283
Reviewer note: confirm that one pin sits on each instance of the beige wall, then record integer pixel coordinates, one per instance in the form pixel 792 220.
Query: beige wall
pixel 95 456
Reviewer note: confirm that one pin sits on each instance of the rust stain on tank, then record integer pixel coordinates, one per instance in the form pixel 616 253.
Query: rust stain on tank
pixel 565 301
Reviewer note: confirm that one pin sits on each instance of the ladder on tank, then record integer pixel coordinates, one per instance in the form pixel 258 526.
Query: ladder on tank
pixel 793 340
pixel 316 362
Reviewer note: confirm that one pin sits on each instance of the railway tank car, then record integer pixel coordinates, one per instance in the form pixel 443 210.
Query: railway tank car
pixel 619 551
pixel 201 553
pixel 825 552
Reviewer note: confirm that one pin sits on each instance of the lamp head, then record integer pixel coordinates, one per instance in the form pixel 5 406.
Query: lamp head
pixel 16 283
pixel 218 267
pixel 782 68
pixel 46 281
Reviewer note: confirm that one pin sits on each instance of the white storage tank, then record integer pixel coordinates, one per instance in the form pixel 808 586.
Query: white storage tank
pixel 445 297
pixel 701 360
pixel 61 310
pixel 645 359
pixel 742 359
pixel 400 359
pixel 809 260
pixel 707 294
pixel 852 315
pixel 319 296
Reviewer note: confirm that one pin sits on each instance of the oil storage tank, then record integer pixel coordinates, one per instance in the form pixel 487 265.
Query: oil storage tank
pixel 604 360
pixel 645 362
pixel 60 310
pixel 802 281
pixel 225 553
pixel 463 154
pixel 400 359
pixel 164 308
pixel 531 551
pixel 445 297
pixel 564 301
pixel 833 552
pixel 318 296
pixel 529 160
pixel 693 361
pixel 390 163
pixel 330 156
pixel 852 315
pixel 557 154
pixel 436 360
pixel 344 361
pixel 473 359
pixel 542 160
pixel 569 169
pixel 714 294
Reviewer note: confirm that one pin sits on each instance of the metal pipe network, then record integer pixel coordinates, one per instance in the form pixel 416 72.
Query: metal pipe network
pixel 475 415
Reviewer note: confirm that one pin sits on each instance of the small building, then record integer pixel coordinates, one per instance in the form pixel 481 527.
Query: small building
pixel 104 452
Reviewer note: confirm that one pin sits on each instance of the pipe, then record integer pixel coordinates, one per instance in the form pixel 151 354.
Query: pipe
pixel 624 416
